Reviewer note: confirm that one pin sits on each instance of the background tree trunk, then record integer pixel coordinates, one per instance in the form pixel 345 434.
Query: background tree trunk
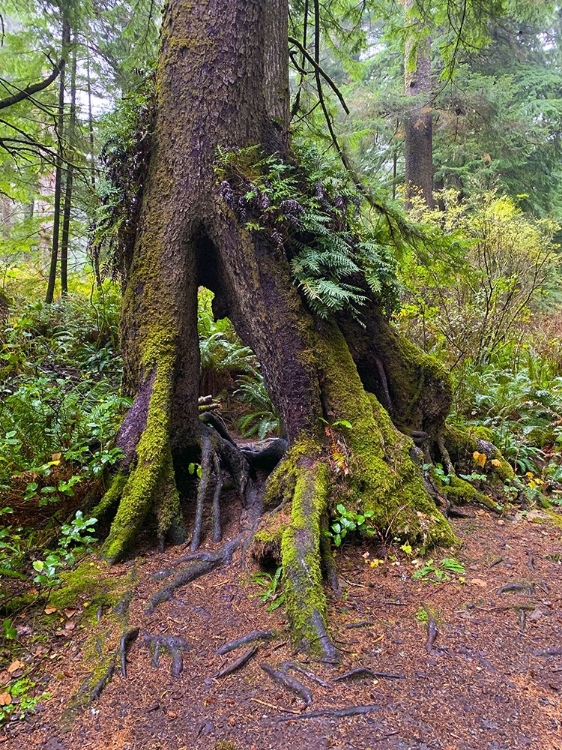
pixel 418 126
pixel 65 237
pixel 59 167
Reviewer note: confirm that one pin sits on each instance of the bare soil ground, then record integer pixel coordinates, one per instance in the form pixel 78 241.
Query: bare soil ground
pixel 492 679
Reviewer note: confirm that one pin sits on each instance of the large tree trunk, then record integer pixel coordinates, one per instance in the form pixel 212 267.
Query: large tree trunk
pixel 218 85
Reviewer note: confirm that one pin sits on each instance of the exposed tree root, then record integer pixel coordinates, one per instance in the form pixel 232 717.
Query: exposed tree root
pixel 127 640
pixel 204 563
pixel 367 672
pixel 300 552
pixel 311 676
pixel 233 666
pixel 256 635
pixel 335 712
pixel 288 682
pixel 172 644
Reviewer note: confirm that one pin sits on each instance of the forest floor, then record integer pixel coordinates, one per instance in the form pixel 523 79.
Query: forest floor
pixel 492 679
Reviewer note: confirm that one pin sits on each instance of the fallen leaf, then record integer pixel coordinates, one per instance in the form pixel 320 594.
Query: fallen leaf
pixel 479 582
pixel 49 609
pixel 5 699
pixel 69 612
pixel 4 678
pixel 69 625
pixel 15 665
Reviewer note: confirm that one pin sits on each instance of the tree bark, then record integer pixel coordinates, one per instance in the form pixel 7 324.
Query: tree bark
pixel 65 237
pixel 59 167
pixel 215 82
pixel 418 126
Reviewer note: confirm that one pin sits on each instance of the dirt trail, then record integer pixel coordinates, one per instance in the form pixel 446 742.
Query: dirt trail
pixel 483 683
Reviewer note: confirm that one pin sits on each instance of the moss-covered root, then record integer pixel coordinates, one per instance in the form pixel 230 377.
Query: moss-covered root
pixel 111 497
pixel 382 475
pixel 151 484
pixel 300 554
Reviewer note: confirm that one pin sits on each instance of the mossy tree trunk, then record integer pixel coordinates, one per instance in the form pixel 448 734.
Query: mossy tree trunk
pixel 222 81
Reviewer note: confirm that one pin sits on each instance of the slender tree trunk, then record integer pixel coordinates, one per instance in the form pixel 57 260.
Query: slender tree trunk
pixel 418 127
pixel 59 167
pixel 65 237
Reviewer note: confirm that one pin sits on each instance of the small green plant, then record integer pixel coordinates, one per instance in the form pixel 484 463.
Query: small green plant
pixel 16 699
pixel 346 522
pixel 75 535
pixel 438 572
pixel 272 585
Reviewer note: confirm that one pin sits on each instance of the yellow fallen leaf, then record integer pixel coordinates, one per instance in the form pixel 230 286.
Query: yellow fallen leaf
pixel 56 456
pixel 5 699
pixel 480 458
pixel 496 462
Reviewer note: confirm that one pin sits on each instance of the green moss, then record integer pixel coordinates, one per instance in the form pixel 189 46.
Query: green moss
pixel 460 491
pixel 89 582
pixel 153 472
pixel 266 544
pixel 554 517
pixel 300 553
pixel 462 444
pixel 382 475
pixel 111 497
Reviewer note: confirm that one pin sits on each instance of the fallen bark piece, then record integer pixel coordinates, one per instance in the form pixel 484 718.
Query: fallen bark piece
pixel 127 640
pixel 311 676
pixel 367 672
pixel 336 712
pixel 233 666
pixel 362 624
pixel 288 682
pixel 256 635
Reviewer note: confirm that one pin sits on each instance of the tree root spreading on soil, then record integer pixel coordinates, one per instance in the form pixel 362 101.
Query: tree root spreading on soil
pixel 311 676
pixel 289 682
pixel 256 635
pixel 171 643
pixel 368 672
pixel 334 712
pixel 200 564
pixel 127 640
pixel 233 666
